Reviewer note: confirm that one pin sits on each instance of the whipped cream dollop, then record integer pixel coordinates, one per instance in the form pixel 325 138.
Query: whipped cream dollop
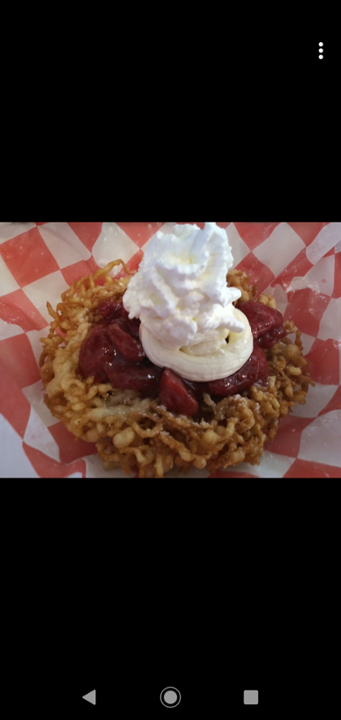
pixel 185 306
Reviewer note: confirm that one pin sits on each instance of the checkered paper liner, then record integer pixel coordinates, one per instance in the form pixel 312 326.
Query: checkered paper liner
pixel 299 263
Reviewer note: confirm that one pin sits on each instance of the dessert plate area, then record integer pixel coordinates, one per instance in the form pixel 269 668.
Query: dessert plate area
pixel 298 263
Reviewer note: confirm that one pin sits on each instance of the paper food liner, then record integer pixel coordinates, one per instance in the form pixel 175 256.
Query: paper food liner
pixel 299 263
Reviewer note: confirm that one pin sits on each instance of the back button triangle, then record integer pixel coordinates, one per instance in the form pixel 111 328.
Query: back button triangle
pixel 90 697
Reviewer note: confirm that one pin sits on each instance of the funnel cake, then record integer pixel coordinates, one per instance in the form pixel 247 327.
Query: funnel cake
pixel 133 428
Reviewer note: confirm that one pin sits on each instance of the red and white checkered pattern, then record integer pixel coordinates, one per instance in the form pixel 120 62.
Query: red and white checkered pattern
pixel 300 263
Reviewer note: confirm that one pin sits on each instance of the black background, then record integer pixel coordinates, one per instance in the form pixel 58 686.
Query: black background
pixel 211 674
pixel 211 681
pixel 219 609
pixel 210 685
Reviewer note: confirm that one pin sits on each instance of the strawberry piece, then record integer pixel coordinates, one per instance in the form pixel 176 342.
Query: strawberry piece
pixel 110 309
pixel 95 352
pixel 127 376
pixel 262 318
pixel 174 394
pixel 130 348
pixel 270 338
pixel 256 369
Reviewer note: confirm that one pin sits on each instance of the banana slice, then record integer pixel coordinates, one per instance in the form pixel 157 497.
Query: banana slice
pixel 204 368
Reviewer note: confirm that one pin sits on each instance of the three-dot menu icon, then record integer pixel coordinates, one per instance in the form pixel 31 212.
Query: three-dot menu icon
pixel 320 50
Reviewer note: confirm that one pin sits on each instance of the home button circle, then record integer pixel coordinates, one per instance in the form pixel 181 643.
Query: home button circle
pixel 170 697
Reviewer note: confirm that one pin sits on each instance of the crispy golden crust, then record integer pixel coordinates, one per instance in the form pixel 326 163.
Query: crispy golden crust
pixel 137 432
